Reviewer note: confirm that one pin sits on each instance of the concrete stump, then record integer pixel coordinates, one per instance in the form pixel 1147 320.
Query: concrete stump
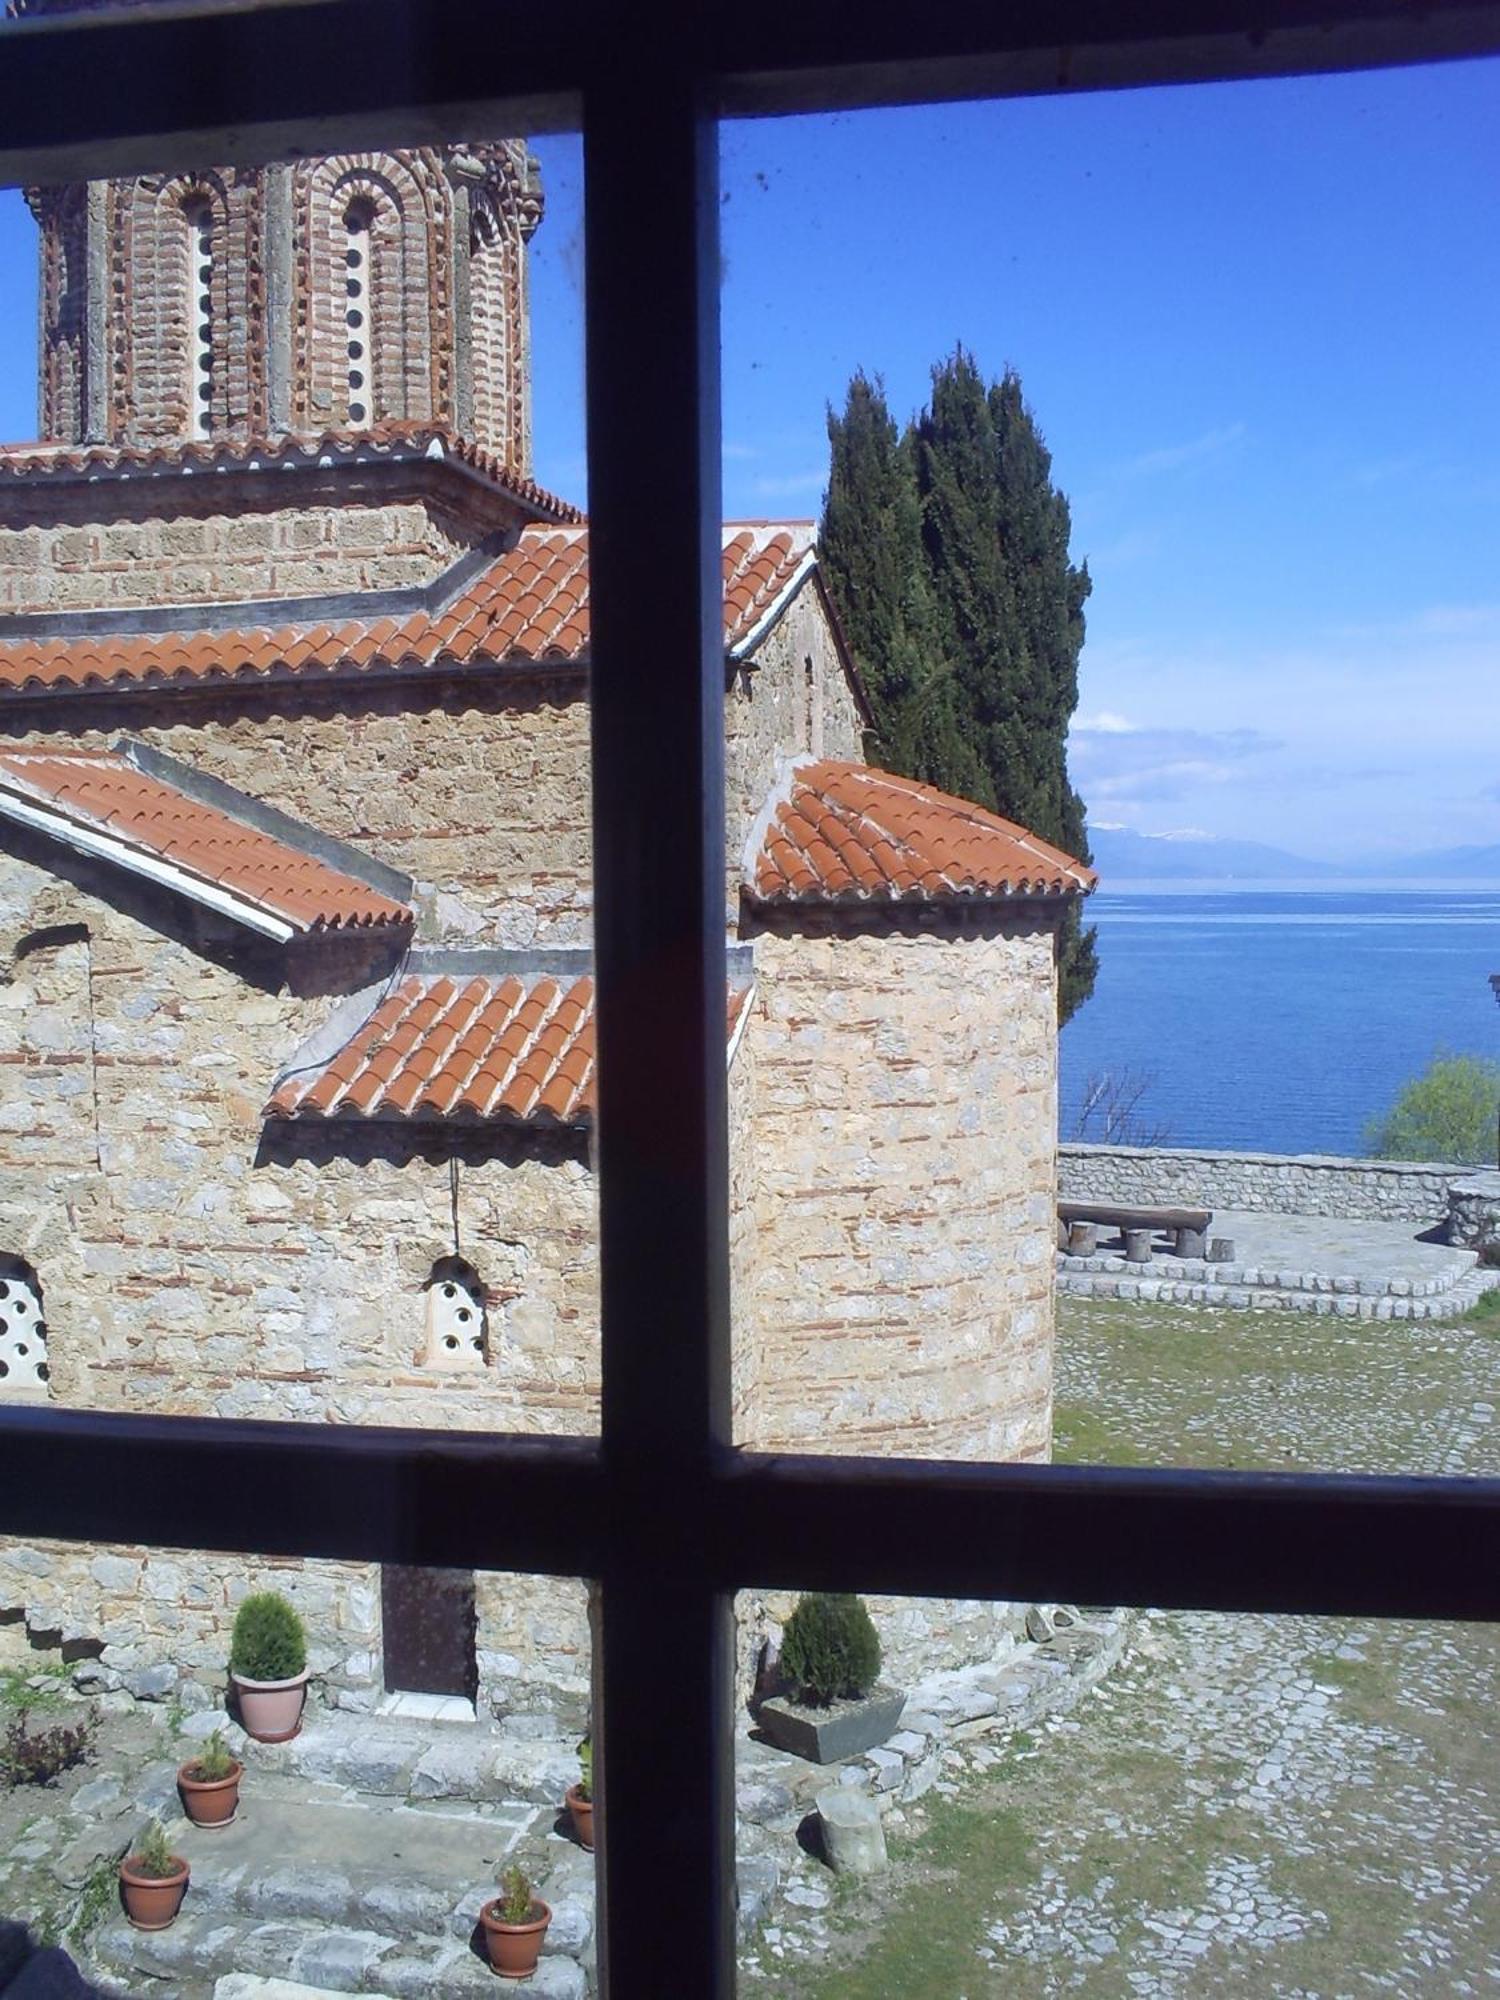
pixel 1191 1242
pixel 1062 1234
pixel 853 1838
pixel 1137 1246
pixel 1221 1250
pixel 1082 1238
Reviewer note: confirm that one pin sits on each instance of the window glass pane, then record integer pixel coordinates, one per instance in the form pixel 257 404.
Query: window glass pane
pixel 437 1733
pixel 1094 415
pixel 1154 1802
pixel 295 852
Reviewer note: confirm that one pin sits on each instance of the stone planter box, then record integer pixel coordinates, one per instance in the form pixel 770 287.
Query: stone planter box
pixel 827 1735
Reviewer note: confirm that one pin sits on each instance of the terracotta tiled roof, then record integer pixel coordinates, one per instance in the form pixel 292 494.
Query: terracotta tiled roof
pixel 389 443
pixel 98 800
pixel 491 1046
pixel 845 833
pixel 528 608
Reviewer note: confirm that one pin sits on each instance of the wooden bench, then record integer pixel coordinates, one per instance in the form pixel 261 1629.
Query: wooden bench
pixel 1188 1227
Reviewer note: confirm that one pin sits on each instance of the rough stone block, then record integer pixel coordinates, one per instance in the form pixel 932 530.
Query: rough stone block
pixel 853 1837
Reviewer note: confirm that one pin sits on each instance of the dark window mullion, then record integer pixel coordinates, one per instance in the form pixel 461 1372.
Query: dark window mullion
pixel 657 690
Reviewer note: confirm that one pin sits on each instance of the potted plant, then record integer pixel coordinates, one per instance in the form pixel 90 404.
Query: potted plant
pixel 210 1784
pixel 580 1797
pixel 153 1881
pixel 830 1661
pixel 515 1922
pixel 268 1665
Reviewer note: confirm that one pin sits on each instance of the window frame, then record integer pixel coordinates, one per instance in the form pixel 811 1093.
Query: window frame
pixel 661 1509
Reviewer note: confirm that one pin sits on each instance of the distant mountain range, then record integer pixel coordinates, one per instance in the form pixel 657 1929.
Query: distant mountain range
pixel 1122 854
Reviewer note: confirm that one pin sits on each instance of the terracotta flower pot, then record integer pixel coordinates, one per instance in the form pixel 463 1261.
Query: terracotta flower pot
pixel 152 1901
pixel 582 1810
pixel 514 1948
pixel 271 1711
pixel 209 1801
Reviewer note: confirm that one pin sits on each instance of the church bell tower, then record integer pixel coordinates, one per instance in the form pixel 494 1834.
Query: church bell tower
pixel 329 295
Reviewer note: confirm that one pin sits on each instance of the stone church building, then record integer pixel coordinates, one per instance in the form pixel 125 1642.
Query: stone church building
pixel 296 1031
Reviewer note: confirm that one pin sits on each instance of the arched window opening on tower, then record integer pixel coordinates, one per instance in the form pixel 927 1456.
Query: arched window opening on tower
pixel 357 219
pixel 200 260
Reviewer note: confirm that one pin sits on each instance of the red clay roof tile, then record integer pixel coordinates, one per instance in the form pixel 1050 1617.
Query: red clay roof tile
pixel 845 833
pixel 100 792
pixel 531 605
pixel 498 1047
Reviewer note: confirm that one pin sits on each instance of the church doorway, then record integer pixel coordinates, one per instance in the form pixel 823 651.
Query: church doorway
pixel 430 1630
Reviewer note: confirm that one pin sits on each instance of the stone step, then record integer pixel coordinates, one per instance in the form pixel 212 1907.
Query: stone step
pixel 1151 1285
pixel 392 1869
pixel 188 1960
pixel 314 1884
pixel 405 1760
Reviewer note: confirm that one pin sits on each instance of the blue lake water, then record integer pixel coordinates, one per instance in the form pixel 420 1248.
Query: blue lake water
pixel 1281 1020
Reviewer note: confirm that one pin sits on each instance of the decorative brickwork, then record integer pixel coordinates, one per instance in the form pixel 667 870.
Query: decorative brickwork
pixel 157 289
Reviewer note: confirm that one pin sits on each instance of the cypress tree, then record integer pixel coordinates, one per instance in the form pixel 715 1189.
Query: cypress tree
pixel 946 550
pixel 873 556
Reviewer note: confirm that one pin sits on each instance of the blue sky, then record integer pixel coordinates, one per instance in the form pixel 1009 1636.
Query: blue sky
pixel 1260 328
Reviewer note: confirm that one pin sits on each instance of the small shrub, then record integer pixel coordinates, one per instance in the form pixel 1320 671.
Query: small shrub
pixel 269 1643
pixel 1447 1113
pixel 516 1900
pixel 213 1762
pixel 153 1856
pixel 586 1769
pixel 43 1689
pixel 39 1757
pixel 830 1651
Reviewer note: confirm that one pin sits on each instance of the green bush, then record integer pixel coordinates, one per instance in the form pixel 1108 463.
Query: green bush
pixel 213 1763
pixel 269 1643
pixel 153 1856
pixel 1447 1113
pixel 516 1900
pixel 39 1757
pixel 830 1650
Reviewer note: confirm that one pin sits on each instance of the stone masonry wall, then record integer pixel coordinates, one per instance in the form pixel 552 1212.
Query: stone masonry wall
pixel 194 1262
pixel 905 1134
pixel 794 701
pixel 1305 1184
pixel 57 555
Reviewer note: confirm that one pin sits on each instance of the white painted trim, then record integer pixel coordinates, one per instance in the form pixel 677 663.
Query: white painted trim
pixel 99 845
pixel 776 797
pixel 778 605
pixel 740 1026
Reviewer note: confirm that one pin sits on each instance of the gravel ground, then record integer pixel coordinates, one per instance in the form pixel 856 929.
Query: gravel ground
pixel 1248 1805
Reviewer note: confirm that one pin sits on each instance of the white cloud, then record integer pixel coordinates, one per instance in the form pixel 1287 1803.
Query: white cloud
pixel 775 486
pixel 1136 763
pixel 1172 457
pixel 1105 723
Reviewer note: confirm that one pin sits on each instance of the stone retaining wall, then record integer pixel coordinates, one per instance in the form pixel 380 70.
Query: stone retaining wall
pixel 1295 1184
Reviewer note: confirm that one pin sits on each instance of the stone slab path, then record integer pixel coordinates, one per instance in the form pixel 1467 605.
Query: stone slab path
pixel 1299 1263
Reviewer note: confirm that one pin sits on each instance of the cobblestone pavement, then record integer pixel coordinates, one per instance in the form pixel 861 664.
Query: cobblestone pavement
pixel 1247 1806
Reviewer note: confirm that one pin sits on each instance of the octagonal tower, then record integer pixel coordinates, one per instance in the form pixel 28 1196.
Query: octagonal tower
pixel 334 294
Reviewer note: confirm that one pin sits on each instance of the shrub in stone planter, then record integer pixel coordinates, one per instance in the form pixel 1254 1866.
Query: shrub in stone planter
pixel 830 1659
pixel 268 1665
pixel 830 1650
